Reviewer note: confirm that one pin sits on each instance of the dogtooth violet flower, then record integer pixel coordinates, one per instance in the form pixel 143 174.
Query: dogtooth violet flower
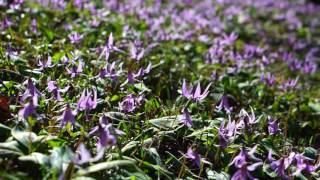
pixel 52 87
pixel 88 100
pixel 134 52
pixel 226 133
pixel 28 109
pixel 75 69
pixel 141 72
pixel 75 37
pixel 186 118
pixel 68 116
pixel 83 155
pixel 45 64
pixel 279 166
pixel 273 126
pixel 241 162
pixel 128 104
pixel 193 156
pixel 224 104
pixel 31 92
pixel 106 139
pixel 303 164
pixel 195 95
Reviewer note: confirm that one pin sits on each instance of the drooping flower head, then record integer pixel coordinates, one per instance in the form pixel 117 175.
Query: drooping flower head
pixel 68 116
pixel 45 64
pixel 193 156
pixel 269 79
pixel 128 104
pixel 280 165
pixel 76 69
pixel 195 95
pixel 186 118
pixel 28 109
pixel 75 37
pixel 226 134
pixel 224 104
pixel 52 87
pixel 31 92
pixel 273 126
pixel 242 163
pixel 88 100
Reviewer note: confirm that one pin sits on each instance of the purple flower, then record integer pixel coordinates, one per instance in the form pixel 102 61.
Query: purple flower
pixel 265 61
pixel 134 52
pixel 109 47
pixel 82 155
pixel 303 163
pixel 76 69
pixel 68 116
pixel 87 101
pixel 31 92
pixel 75 37
pixel 229 40
pixel 309 67
pixel 290 83
pixel 193 156
pixel 186 118
pixel 242 164
pixel 243 172
pixel 95 23
pixel 273 126
pixel 269 80
pixel 47 64
pixel 280 166
pixel 109 71
pixel 34 26
pixel 246 119
pixel 52 87
pixel 106 139
pixel 128 104
pixel 6 23
pixel 28 110
pixel 133 76
pixel 226 133
pixel 196 95
pixel 224 104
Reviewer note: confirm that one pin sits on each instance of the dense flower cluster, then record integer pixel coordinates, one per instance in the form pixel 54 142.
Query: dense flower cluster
pixel 155 89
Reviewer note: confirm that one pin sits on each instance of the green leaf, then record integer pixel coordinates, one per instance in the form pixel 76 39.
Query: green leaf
pixel 4 129
pixel 310 152
pixel 26 138
pixel 154 155
pixel 211 174
pixel 60 156
pixel 36 157
pixel 104 166
pixel 130 145
pixel 167 122
pixel 142 87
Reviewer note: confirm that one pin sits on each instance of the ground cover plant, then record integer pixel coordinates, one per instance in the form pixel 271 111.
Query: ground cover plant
pixel 159 89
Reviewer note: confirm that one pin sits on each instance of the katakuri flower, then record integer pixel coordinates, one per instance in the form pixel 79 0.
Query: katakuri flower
pixel 186 118
pixel 195 95
pixel 193 156
pixel 224 104
pixel 52 87
pixel 45 64
pixel 28 110
pixel 75 37
pixel 88 100
pixel 273 126
pixel 68 116
pixel 31 92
